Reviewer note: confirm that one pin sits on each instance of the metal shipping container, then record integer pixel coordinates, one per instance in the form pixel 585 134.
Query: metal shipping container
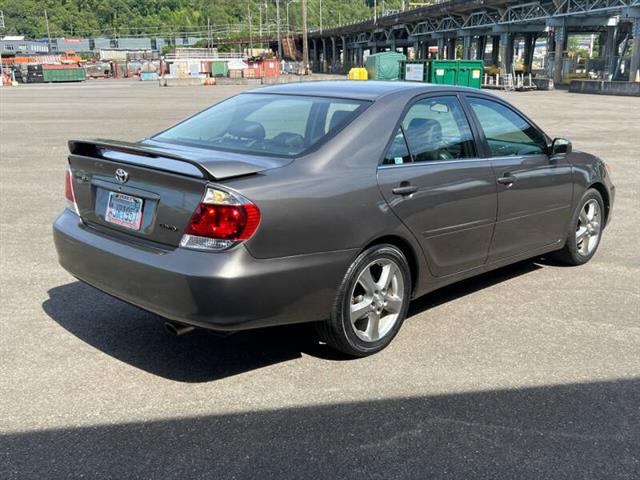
pixel 64 75
pixel 384 65
pixel 219 68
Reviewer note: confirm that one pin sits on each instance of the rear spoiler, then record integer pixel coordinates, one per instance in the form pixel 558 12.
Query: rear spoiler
pixel 136 153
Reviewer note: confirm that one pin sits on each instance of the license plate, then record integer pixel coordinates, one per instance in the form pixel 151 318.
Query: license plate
pixel 124 210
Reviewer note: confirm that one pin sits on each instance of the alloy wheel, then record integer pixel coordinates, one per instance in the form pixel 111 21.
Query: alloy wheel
pixel 377 298
pixel 588 228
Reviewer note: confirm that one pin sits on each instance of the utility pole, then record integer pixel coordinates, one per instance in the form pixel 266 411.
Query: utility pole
pixel 375 11
pixel 250 32
pixel 260 23
pixel 46 20
pixel 321 17
pixel 278 28
pixel 305 43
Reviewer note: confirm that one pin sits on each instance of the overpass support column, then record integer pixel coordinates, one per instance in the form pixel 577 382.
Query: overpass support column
pixel 634 68
pixel 495 50
pixel 610 50
pixel 345 55
pixel 451 48
pixel 323 63
pixel 481 46
pixel 424 50
pixel 314 55
pixel 506 52
pixel 334 64
pixel 529 47
pixel 560 38
pixel 440 48
pixel 467 54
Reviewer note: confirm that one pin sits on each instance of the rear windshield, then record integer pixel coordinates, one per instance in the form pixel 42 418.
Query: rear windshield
pixel 264 124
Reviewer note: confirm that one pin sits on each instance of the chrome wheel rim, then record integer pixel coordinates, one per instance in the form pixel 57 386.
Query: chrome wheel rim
pixel 588 228
pixel 376 298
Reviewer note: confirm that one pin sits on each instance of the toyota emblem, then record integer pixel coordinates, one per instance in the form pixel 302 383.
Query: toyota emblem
pixel 121 176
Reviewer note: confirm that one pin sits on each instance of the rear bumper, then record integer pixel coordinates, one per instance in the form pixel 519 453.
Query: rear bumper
pixel 219 290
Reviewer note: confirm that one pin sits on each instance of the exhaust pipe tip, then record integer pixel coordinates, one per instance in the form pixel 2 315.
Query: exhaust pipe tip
pixel 177 329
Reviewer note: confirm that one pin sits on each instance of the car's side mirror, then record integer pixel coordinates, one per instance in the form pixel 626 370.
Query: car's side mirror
pixel 560 146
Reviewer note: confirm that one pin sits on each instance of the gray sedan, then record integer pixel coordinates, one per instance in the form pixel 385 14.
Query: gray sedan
pixel 326 202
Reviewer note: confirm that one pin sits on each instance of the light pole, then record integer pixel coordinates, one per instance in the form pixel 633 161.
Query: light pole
pixel 321 17
pixel 305 41
pixel 288 22
pixel 250 32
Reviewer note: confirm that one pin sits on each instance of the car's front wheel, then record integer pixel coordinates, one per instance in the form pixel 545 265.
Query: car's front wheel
pixel 586 230
pixel 371 302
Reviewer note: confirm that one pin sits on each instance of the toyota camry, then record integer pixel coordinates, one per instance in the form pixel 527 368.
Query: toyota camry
pixel 328 202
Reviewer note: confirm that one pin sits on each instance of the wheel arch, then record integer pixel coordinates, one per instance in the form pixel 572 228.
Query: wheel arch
pixel 407 249
pixel 602 190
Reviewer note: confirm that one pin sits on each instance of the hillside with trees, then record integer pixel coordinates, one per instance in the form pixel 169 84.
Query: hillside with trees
pixel 119 18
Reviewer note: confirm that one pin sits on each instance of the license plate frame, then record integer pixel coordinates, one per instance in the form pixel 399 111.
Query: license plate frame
pixel 129 215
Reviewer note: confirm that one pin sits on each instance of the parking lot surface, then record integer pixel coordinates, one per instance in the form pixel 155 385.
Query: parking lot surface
pixel 531 371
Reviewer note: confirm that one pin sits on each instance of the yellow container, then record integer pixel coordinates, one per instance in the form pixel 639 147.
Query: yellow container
pixel 358 74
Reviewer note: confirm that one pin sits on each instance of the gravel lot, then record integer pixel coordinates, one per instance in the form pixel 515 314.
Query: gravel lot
pixel 532 371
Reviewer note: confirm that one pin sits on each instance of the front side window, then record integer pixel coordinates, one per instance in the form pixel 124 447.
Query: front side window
pixel 507 133
pixel 266 124
pixel 437 129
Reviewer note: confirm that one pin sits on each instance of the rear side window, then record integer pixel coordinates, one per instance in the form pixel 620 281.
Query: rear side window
pixel 337 113
pixel 265 124
pixel 437 129
pixel 398 153
pixel 507 133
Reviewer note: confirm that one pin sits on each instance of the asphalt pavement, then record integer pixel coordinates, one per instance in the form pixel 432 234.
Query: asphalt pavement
pixel 528 372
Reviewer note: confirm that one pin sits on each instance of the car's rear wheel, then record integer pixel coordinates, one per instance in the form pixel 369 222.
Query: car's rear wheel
pixel 585 232
pixel 371 302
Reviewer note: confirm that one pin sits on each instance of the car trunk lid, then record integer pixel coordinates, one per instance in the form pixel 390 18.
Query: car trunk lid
pixel 148 190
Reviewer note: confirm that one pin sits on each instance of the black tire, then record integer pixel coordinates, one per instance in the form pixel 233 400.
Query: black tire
pixel 338 332
pixel 570 254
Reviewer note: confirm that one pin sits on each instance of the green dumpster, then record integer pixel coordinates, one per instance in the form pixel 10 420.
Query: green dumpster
pixel 384 65
pixel 466 73
pixel 444 72
pixel 219 68
pixel 470 73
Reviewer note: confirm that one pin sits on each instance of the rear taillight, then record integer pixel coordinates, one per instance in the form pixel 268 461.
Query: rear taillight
pixel 220 221
pixel 68 192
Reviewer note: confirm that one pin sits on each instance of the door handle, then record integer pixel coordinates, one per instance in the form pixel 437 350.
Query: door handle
pixel 507 179
pixel 405 190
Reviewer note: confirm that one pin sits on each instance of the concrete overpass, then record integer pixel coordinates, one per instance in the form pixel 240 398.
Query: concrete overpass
pixel 474 24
